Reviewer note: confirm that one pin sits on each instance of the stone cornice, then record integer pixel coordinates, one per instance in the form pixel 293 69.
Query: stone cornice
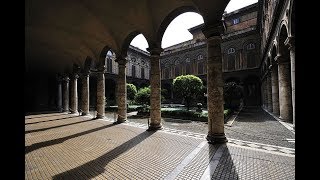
pixel 213 30
pixel 239 34
pixel 155 51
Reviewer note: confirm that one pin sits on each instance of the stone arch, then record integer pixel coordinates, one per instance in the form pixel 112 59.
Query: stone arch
pixel 171 16
pixel 88 64
pixel 283 35
pixel 101 62
pixel 128 39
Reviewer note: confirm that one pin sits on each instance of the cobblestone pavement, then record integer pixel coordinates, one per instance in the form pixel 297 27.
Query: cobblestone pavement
pixel 64 146
pixel 252 124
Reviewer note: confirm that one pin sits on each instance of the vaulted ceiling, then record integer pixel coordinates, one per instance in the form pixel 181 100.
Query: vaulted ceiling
pixel 60 33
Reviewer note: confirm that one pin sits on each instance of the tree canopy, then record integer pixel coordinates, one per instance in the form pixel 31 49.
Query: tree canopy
pixel 188 87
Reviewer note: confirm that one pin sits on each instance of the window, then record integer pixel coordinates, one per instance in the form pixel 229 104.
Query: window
pixel 200 68
pixel 188 69
pixel 251 60
pixel 109 65
pixel 231 62
pixel 231 50
pixel 177 71
pixel 188 60
pixel 200 57
pixel 142 73
pixel 133 71
pixel 236 21
pixel 250 46
pixel 166 73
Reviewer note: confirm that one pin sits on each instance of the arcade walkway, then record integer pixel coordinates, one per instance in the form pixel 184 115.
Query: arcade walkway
pixel 64 146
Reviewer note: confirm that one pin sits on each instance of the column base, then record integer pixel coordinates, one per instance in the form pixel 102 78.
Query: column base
pixel 154 127
pixel 74 112
pixel 84 113
pixel 100 116
pixel 120 120
pixel 216 138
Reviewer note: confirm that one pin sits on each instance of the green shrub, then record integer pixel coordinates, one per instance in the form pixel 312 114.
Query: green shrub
pixel 188 87
pixel 143 96
pixel 131 91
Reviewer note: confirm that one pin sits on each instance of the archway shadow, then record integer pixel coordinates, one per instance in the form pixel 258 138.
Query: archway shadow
pixel 44 115
pixel 95 167
pixel 68 117
pixel 61 140
pixel 254 114
pixel 225 167
pixel 43 129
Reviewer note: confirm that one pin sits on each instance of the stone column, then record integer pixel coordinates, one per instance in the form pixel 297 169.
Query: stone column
pixel 290 42
pixel 155 96
pixel 215 85
pixel 85 94
pixel 122 90
pixel 275 89
pixel 59 95
pixel 74 95
pixel 285 102
pixel 269 92
pixel 101 99
pixel 66 94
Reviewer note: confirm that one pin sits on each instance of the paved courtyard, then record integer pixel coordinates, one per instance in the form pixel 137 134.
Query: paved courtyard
pixel 64 146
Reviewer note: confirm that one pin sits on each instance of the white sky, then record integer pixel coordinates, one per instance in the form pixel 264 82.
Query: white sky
pixel 177 31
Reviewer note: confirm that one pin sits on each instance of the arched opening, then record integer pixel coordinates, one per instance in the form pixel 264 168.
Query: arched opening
pixel 110 91
pixel 251 89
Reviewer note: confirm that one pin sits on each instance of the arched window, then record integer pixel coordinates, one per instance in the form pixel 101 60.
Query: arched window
pixel 251 46
pixel 231 58
pixel 109 61
pixel 200 57
pixel 231 50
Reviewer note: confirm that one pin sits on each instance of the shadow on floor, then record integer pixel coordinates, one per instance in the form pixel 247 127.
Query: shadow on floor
pixel 96 167
pixel 51 120
pixel 254 114
pixel 41 115
pixel 225 168
pixel 61 140
pixel 44 129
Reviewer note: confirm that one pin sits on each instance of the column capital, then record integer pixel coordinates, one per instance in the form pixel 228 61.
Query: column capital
pixel 121 60
pixel 290 42
pixel 155 51
pixel 279 59
pixel 86 74
pixel 75 76
pixel 66 78
pixel 213 30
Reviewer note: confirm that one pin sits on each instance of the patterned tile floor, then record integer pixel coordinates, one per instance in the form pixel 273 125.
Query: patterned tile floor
pixel 64 146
